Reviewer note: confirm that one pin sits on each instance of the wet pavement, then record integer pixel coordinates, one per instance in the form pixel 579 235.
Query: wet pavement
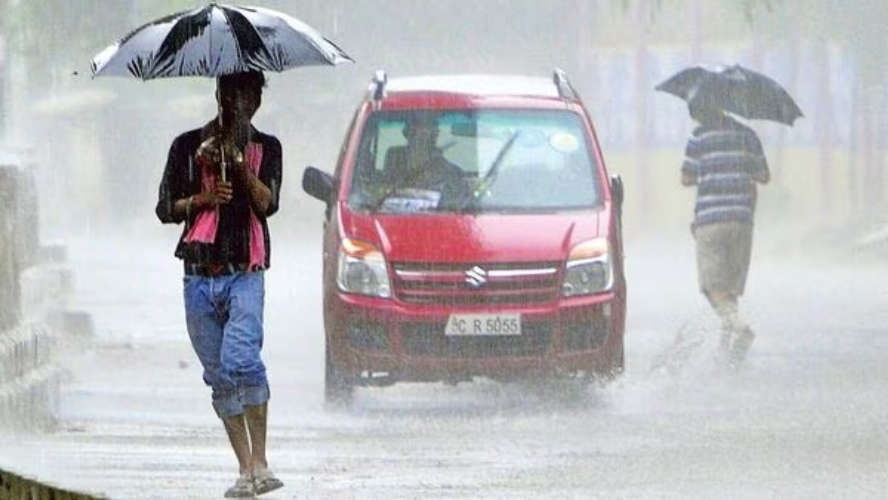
pixel 805 417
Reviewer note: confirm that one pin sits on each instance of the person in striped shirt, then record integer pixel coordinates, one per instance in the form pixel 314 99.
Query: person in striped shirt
pixel 724 159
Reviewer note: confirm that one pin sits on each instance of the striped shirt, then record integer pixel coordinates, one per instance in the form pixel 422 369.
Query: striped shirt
pixel 722 158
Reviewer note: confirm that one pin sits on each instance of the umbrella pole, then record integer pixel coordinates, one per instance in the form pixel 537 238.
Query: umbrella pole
pixel 222 155
pixel 221 146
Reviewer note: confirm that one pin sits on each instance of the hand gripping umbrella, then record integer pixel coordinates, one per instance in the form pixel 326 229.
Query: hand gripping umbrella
pixel 217 40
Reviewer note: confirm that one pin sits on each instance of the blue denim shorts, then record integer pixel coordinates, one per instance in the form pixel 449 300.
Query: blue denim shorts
pixel 224 318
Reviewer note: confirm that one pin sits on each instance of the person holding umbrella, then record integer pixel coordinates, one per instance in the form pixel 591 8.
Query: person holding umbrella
pixel 724 160
pixel 223 181
pixel 226 249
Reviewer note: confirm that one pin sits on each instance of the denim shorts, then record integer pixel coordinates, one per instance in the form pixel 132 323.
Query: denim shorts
pixel 224 318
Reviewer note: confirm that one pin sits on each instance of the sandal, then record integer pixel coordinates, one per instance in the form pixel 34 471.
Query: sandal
pixel 264 481
pixel 243 488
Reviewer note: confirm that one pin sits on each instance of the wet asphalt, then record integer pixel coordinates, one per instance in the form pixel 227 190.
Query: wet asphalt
pixel 804 417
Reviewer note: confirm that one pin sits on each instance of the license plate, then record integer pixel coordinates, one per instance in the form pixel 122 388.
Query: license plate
pixel 483 324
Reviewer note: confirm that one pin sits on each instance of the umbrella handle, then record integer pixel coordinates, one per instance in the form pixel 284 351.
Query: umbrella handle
pixel 222 167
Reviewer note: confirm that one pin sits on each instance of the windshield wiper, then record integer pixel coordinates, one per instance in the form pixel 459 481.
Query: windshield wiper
pixel 491 174
pixel 399 183
pixel 374 207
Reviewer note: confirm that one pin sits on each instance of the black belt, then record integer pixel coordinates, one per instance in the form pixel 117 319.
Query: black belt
pixel 219 269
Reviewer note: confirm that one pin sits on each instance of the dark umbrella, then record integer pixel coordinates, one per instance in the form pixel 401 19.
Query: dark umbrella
pixel 735 89
pixel 217 40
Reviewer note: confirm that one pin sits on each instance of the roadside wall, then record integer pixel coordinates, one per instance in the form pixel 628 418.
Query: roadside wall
pixel 15 487
pixel 33 286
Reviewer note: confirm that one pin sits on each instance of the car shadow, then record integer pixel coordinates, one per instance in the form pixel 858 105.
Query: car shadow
pixel 479 398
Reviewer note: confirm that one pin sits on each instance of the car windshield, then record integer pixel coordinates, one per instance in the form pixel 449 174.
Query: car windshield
pixel 474 161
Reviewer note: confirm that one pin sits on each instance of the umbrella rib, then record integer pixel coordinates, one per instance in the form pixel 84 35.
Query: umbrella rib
pixel 341 53
pixel 307 30
pixel 210 43
pixel 269 63
pixel 176 28
pixel 237 45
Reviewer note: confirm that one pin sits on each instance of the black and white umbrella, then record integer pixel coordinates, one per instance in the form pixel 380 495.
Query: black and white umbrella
pixel 217 40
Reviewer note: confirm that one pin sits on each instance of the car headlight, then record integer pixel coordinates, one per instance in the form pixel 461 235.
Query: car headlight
pixel 362 269
pixel 589 269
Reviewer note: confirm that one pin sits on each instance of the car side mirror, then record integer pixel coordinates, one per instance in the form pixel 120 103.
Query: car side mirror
pixel 617 190
pixel 317 184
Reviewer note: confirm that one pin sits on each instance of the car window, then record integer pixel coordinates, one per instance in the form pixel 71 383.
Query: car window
pixel 478 161
pixel 389 137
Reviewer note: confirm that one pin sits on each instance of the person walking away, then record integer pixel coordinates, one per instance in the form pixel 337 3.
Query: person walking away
pixel 225 249
pixel 724 159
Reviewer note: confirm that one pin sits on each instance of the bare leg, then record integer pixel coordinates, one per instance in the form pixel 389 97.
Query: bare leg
pixel 725 305
pixel 257 419
pixel 239 437
pixel 737 337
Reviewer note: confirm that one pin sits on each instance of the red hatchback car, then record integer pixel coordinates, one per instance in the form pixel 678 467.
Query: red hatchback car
pixel 471 230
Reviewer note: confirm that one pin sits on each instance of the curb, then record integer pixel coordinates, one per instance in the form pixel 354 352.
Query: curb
pixel 29 379
pixel 15 487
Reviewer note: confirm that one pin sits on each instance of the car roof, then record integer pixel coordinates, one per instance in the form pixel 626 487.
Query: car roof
pixel 475 85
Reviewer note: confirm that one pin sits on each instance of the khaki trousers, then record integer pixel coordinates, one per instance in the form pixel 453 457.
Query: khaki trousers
pixel 723 251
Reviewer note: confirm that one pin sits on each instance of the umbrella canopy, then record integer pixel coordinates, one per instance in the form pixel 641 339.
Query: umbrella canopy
pixel 735 89
pixel 217 40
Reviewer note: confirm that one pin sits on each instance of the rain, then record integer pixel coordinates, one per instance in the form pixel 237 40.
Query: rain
pixel 101 393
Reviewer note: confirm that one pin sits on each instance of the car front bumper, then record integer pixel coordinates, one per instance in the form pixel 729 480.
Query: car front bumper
pixel 387 340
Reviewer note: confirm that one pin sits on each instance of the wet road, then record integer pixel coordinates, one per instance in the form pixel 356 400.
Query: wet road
pixel 805 417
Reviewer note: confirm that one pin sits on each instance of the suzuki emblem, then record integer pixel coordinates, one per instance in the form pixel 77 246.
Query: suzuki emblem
pixel 476 277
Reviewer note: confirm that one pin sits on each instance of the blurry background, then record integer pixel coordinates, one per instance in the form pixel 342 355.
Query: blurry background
pixel 100 145
pixel 805 419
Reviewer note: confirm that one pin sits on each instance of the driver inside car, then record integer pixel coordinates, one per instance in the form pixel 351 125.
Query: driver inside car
pixel 420 165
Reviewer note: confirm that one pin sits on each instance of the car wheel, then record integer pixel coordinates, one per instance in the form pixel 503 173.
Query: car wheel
pixel 338 388
pixel 618 361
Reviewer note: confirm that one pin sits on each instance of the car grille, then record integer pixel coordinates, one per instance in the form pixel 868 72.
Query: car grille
pixel 476 284
pixel 428 339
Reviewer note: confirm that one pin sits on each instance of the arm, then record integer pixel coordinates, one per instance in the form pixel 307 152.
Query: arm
pixel 270 176
pixel 171 193
pixel 691 165
pixel 175 204
pixel 258 192
pixel 185 207
pixel 759 171
pixel 762 177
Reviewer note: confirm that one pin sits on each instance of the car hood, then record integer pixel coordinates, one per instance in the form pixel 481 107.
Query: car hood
pixel 476 238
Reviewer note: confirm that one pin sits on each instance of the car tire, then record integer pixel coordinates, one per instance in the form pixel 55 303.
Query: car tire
pixel 618 361
pixel 338 387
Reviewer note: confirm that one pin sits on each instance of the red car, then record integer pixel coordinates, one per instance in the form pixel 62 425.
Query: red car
pixel 471 230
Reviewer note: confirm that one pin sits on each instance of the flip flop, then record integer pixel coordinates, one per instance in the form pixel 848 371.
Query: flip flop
pixel 243 488
pixel 264 481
